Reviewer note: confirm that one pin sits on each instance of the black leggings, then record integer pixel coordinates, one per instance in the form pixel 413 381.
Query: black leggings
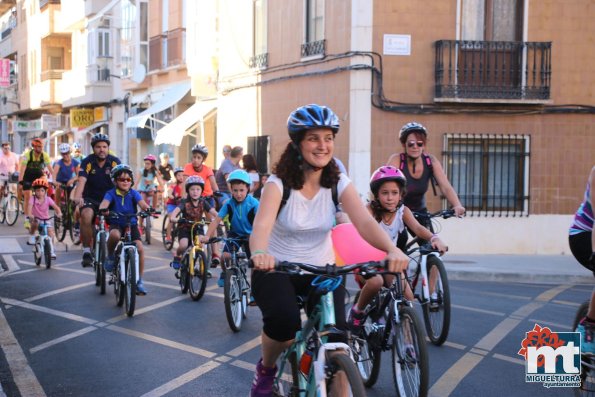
pixel 580 245
pixel 275 294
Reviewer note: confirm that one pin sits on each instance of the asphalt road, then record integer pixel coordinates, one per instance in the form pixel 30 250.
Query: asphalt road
pixel 59 337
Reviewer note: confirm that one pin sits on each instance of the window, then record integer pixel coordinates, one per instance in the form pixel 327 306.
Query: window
pixel 55 58
pixel 144 35
pixel 103 43
pixel 259 58
pixel 492 20
pixel 314 43
pixel 259 147
pixel 23 71
pixel 490 173
pixel 127 38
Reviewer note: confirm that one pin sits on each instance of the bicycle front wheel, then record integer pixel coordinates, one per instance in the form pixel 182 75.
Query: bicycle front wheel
pixel 367 352
pixel 47 253
pixel 11 210
pixel 410 356
pixel 342 374
pixel 232 298
pixel 184 275
pixel 130 282
pixel 100 266
pixel 437 311
pixel 148 230
pixel 198 281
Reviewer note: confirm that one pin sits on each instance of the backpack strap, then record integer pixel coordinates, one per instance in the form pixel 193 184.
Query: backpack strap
pixel 402 162
pixel 428 161
pixel 287 192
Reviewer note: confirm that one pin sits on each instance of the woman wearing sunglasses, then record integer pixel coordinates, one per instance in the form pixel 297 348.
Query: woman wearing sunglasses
pixel 420 168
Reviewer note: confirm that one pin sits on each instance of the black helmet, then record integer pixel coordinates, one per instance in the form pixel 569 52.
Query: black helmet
pixel 99 138
pixel 410 128
pixel 309 117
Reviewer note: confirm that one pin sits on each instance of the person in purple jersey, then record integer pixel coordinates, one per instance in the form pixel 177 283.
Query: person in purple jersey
pixel 582 244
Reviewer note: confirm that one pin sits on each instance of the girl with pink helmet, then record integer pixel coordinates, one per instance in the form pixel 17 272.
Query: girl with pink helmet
pixel 388 186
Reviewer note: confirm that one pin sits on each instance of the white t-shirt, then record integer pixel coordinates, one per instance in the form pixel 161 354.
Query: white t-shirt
pixel 396 226
pixel 302 232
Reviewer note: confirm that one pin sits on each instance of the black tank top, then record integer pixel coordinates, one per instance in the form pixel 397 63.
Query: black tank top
pixel 417 188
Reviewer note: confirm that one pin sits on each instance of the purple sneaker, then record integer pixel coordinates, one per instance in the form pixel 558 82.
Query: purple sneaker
pixel 262 385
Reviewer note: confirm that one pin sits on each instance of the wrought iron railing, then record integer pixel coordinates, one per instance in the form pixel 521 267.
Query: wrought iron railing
pixel 314 48
pixel 260 61
pixel 489 172
pixel 493 70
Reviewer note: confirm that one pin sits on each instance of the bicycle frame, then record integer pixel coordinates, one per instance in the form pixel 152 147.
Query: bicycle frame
pixel 196 246
pixel 423 271
pixel 101 230
pixel 125 244
pixel 323 314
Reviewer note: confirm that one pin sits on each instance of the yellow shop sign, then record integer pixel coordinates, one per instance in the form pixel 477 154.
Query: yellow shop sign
pixel 80 118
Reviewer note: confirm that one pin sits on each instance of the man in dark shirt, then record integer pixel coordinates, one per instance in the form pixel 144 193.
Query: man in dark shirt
pixel 93 182
pixel 227 166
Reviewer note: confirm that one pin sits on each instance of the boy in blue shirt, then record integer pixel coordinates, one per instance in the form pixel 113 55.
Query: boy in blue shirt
pixel 124 200
pixel 241 209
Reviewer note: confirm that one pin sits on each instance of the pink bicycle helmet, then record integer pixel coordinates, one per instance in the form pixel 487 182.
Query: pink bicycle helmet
pixel 384 174
pixel 150 157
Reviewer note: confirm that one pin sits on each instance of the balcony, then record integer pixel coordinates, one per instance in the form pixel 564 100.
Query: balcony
pixel 89 85
pixel 6 5
pixel 48 20
pixel 260 61
pixel 167 49
pixel 92 7
pixel 314 48
pixel 493 71
pixel 52 74
pixel 44 3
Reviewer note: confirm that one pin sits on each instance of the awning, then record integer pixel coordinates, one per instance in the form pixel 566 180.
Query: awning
pixel 90 128
pixel 59 133
pixel 169 99
pixel 173 133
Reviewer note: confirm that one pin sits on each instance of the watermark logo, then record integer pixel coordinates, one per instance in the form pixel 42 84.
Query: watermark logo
pixel 552 358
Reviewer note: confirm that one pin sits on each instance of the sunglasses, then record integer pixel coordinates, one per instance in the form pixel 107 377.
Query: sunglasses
pixel 413 143
pixel 124 179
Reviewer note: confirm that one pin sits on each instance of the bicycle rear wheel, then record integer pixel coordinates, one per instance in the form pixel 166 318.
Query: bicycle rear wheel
pixel 198 281
pixel 341 373
pixel 232 298
pixel 437 319
pixel 184 275
pixel 130 282
pixel 410 356
pixel 11 210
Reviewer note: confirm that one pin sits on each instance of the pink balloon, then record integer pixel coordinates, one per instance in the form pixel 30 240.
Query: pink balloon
pixel 351 247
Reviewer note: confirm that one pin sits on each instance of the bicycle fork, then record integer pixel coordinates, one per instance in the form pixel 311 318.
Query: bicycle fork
pixel 122 263
pixel 426 280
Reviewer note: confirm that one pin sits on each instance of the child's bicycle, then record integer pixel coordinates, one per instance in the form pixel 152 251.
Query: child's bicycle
pixel 100 252
pixel 427 270
pixel 193 271
pixel 312 366
pixel 587 361
pixel 43 247
pixel 9 204
pixel 126 270
pixel 147 227
pixel 392 324
pixel 67 208
pixel 236 290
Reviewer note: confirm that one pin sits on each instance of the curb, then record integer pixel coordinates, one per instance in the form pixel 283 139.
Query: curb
pixel 527 278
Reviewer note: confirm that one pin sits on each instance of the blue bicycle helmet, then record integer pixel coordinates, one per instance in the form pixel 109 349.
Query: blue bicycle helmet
pixel 239 175
pixel 309 117
pixel 99 138
pixel 121 168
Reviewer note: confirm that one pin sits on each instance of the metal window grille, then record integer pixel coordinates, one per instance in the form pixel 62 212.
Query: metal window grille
pixel 260 61
pixel 314 48
pixel 259 147
pixel 489 172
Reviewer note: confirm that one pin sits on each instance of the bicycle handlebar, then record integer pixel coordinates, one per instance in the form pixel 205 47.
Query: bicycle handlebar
pixel 445 214
pixel 370 267
pixel 424 249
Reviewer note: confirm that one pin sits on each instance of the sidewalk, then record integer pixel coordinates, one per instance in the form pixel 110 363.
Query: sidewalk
pixel 549 269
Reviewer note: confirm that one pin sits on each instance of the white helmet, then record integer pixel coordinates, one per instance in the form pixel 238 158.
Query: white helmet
pixel 64 148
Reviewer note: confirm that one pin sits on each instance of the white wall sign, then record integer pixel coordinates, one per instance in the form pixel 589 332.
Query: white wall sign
pixel 397 44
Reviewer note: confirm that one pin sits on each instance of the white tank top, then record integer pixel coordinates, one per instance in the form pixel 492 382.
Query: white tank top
pixel 396 226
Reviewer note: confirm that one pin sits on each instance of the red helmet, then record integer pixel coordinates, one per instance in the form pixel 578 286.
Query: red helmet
pixel 39 183
pixel 384 174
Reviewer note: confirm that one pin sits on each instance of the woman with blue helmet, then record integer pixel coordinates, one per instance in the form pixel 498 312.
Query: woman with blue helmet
pixel 298 229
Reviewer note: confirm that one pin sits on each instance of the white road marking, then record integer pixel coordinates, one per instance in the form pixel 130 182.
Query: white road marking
pixel 238 351
pixel 10 263
pixel 58 291
pixel 61 339
pixel 182 380
pixel 57 313
pixel 23 376
pixel 9 245
pixel 148 308
pixel 163 341
pixel 555 326
pixel 513 360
